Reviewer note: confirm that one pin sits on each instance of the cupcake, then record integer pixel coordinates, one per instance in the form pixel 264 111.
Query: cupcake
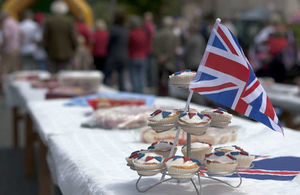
pixel 163 120
pixel 133 156
pixel 194 122
pixel 148 164
pixel 220 163
pixel 226 149
pixel 162 148
pixel 182 167
pixel 198 150
pixel 182 78
pixel 219 117
pixel 244 159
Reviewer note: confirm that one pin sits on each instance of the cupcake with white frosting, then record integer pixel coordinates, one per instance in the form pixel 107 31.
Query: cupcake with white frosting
pixel 133 156
pixel 193 122
pixel 198 150
pixel 220 163
pixel 226 149
pixel 182 167
pixel 219 117
pixel 162 148
pixel 163 120
pixel 182 78
pixel 148 164
pixel 244 159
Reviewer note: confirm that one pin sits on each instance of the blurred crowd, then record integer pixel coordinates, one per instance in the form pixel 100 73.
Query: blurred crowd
pixel 134 53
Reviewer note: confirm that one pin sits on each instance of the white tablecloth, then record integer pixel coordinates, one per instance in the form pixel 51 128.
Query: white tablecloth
pixel 284 96
pixel 13 87
pixel 93 161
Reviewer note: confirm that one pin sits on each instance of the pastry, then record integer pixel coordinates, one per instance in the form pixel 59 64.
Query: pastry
pixel 194 122
pixel 219 117
pixel 148 163
pixel 162 148
pixel 220 163
pixel 163 120
pixel 133 156
pixel 226 149
pixel 198 150
pixel 244 159
pixel 182 167
pixel 182 78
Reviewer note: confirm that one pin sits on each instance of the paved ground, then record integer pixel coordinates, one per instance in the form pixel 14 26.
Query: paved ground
pixel 5 125
pixel 12 179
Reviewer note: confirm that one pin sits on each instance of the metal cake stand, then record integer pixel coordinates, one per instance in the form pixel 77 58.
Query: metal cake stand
pixel 189 176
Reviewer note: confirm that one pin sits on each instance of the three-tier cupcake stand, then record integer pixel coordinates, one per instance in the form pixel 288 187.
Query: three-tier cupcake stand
pixel 184 177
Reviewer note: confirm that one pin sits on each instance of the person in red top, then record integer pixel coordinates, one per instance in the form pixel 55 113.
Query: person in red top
pixel 277 44
pixel 84 31
pixel 149 27
pixel 137 47
pixel 100 43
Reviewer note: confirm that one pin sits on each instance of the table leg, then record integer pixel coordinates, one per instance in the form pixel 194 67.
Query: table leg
pixel 29 147
pixel 15 125
pixel 45 184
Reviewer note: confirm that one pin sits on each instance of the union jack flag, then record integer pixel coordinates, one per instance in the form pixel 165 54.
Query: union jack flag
pixel 273 168
pixel 282 168
pixel 226 77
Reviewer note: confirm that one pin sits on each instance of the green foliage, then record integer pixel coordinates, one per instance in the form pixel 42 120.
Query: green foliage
pixel 141 6
pixel 1 2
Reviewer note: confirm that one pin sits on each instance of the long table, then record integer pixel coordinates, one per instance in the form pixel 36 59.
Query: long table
pixel 19 94
pixel 92 161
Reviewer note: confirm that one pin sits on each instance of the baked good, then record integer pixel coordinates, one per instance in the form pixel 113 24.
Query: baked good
pixel 198 150
pixel 182 78
pixel 148 163
pixel 193 122
pixel 219 117
pixel 150 136
pixel 133 156
pixel 244 159
pixel 220 163
pixel 213 135
pixel 181 166
pixel 226 149
pixel 163 120
pixel 88 80
pixel 162 148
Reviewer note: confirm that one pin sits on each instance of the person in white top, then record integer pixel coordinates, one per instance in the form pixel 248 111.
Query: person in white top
pixel 29 45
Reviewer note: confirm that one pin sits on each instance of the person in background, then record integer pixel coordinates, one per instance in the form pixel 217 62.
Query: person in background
pixel 59 37
pixel 29 46
pixel 83 59
pixel 164 45
pixel 277 43
pixel 117 51
pixel 149 27
pixel 99 43
pixel 84 31
pixel 10 47
pixel 40 55
pixel 194 48
pixel 137 45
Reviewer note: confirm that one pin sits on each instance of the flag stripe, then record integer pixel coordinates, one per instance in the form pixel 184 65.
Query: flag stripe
pixel 225 85
pixel 232 68
pixel 221 33
pixel 269 110
pixel 252 88
pixel 256 171
pixel 241 106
